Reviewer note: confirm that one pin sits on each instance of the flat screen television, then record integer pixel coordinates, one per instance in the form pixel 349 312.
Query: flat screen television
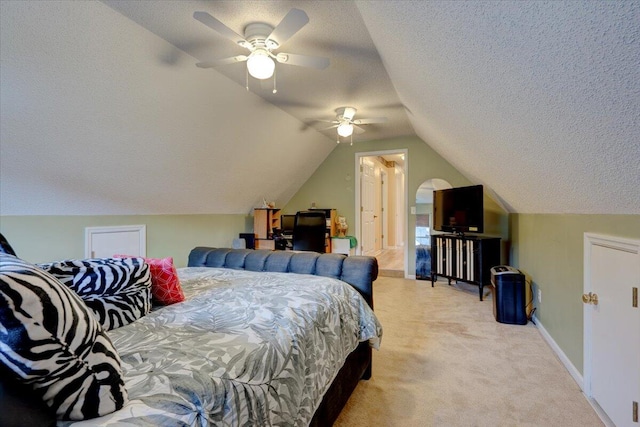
pixel 459 210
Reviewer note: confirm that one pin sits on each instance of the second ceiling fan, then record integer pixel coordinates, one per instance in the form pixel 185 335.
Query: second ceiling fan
pixel 346 124
pixel 262 40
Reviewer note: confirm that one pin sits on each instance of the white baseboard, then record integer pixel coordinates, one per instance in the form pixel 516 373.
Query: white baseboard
pixel 575 374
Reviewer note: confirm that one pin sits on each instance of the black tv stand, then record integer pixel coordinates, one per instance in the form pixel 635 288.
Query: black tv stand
pixel 464 258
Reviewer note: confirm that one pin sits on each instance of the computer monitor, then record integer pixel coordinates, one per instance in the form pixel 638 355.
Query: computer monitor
pixel 286 223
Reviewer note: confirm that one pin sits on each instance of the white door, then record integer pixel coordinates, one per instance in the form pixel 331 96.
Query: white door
pixel 367 209
pixel 400 215
pixel 384 222
pixel 377 209
pixel 612 327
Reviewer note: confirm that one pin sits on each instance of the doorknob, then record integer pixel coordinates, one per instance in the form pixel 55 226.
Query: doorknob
pixel 590 298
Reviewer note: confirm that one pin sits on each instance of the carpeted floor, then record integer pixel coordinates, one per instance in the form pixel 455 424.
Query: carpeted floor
pixel 445 361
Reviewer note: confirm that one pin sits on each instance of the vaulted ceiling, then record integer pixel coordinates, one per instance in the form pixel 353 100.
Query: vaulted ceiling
pixel 105 112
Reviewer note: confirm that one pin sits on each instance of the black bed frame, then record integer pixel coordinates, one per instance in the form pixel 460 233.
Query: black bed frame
pixel 356 367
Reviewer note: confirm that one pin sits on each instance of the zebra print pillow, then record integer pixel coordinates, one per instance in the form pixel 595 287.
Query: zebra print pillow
pixel 52 342
pixel 117 290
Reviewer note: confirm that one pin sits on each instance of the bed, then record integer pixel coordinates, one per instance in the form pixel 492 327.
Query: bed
pixel 263 338
pixel 423 262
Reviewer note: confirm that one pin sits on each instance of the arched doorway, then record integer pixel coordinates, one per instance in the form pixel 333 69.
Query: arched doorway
pixel 424 224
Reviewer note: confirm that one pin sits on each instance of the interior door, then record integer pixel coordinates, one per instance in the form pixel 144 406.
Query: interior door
pixel 384 219
pixel 612 351
pixel 377 213
pixel 367 209
pixel 400 211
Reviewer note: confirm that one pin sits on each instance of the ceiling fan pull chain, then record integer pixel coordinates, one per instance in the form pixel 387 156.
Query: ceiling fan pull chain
pixel 246 85
pixel 351 139
pixel 275 90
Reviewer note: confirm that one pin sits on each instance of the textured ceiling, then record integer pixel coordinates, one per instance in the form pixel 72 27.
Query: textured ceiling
pixel 538 101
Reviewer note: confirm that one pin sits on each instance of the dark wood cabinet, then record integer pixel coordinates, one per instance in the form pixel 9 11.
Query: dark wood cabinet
pixel 464 258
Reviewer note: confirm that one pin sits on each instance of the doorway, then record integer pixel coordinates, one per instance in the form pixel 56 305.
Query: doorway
pixel 381 206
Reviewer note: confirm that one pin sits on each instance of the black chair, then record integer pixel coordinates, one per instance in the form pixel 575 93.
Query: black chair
pixel 309 231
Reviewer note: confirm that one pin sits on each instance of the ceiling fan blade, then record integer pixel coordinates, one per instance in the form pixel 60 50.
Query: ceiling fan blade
pixel 321 120
pixel 370 121
pixel 290 24
pixel 218 26
pixel 357 129
pixel 223 61
pixel 303 60
pixel 330 127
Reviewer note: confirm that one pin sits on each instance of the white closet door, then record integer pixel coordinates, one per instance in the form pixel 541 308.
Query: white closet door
pixel 612 327
pixel 104 242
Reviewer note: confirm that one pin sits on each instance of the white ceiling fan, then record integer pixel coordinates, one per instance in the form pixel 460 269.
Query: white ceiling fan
pixel 346 125
pixel 261 40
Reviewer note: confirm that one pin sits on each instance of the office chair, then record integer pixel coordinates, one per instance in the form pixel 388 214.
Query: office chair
pixel 309 231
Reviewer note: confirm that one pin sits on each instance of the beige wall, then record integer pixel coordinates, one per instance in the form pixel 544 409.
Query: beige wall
pixel 50 238
pixel 549 250
pixel 333 184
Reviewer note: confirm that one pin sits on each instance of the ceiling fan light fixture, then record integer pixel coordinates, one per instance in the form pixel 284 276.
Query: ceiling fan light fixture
pixel 345 129
pixel 260 65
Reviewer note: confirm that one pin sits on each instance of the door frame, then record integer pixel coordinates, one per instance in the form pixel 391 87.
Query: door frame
pixel 357 203
pixel 612 242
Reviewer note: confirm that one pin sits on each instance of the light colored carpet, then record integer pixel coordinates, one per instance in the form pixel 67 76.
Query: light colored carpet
pixel 445 361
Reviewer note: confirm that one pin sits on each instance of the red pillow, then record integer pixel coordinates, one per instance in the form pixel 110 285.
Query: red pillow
pixel 165 286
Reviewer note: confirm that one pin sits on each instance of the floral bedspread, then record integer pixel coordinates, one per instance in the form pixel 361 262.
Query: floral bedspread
pixel 244 349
